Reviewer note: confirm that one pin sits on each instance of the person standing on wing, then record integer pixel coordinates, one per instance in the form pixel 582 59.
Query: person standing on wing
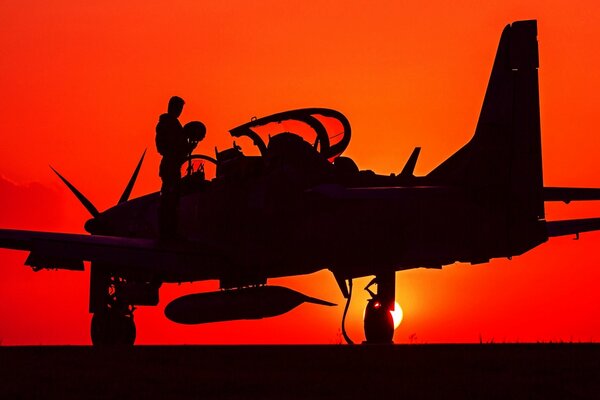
pixel 174 145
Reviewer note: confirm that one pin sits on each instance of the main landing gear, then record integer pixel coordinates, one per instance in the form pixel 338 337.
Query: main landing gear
pixel 112 322
pixel 378 322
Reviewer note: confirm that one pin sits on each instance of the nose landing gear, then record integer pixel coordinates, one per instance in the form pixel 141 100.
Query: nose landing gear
pixel 112 322
pixel 113 327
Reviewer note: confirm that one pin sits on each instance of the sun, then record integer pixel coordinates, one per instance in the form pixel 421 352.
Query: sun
pixel 397 315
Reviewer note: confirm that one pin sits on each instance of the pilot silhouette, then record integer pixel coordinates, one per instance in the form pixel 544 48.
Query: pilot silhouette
pixel 174 143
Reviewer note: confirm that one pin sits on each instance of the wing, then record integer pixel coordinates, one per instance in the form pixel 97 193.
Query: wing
pixel 171 262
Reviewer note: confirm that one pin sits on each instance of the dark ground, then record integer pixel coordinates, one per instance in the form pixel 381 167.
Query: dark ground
pixel 486 371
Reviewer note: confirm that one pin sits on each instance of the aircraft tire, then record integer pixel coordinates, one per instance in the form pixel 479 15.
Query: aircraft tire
pixel 112 329
pixel 378 324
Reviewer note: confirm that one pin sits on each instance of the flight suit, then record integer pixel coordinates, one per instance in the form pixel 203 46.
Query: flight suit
pixel 172 144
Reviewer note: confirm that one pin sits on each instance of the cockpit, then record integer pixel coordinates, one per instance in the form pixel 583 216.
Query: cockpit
pixel 308 136
pixel 328 131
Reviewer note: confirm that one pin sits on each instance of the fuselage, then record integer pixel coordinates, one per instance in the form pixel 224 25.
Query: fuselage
pixel 283 221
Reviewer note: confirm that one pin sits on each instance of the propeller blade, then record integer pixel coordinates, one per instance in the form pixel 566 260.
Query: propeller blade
pixel 86 203
pixel 129 188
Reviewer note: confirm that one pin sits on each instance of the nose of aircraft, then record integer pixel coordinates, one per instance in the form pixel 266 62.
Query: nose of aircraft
pixel 92 225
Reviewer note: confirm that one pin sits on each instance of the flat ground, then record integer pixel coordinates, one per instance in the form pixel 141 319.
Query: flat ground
pixel 486 371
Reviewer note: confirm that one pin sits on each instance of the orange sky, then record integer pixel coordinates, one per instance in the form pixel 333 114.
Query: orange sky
pixel 83 83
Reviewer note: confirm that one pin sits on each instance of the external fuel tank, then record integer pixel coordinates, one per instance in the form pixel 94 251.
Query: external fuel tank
pixel 228 305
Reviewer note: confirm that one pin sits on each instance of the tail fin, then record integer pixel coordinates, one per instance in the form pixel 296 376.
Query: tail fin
pixel 504 158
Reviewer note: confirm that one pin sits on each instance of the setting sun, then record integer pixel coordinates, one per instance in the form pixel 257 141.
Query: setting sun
pixel 397 315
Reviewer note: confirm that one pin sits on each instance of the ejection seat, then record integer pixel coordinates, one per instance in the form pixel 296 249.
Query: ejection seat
pixel 193 173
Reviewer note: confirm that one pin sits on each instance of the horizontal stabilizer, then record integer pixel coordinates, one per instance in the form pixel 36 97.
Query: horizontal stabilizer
pixel 570 194
pixel 572 226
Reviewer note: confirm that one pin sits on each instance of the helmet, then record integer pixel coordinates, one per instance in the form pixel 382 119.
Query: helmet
pixel 194 131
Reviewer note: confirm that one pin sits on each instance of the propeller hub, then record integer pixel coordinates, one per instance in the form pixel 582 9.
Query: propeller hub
pixel 92 226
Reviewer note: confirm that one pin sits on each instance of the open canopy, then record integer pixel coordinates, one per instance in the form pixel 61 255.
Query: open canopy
pixel 326 129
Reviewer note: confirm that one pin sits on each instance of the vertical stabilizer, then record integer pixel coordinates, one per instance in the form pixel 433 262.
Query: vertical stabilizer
pixel 503 159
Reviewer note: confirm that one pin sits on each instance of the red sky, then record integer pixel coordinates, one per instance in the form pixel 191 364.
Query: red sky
pixel 84 82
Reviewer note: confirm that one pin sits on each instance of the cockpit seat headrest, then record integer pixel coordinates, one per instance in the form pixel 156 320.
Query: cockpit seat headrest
pixel 345 165
pixel 290 146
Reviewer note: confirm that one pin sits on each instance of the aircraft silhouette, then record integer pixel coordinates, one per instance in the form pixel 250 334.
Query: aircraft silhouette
pixel 300 207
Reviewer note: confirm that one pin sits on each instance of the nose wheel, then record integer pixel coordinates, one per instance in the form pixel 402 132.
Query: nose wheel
pixel 110 328
pixel 112 320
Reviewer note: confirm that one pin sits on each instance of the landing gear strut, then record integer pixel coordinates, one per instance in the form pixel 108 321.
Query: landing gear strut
pixel 112 322
pixel 379 324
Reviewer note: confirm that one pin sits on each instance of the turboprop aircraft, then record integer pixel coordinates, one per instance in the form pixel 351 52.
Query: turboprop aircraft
pixel 299 206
